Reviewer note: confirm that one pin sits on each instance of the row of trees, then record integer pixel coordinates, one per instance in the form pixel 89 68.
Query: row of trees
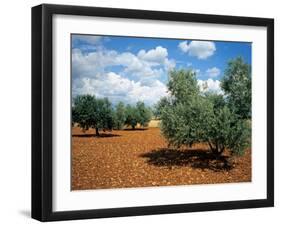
pixel 98 113
pixel 189 116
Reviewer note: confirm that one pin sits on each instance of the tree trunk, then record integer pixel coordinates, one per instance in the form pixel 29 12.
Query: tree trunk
pixel 133 127
pixel 216 150
pixel 97 132
pixel 211 146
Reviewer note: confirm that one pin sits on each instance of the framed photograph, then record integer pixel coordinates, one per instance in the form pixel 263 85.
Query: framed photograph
pixel 145 112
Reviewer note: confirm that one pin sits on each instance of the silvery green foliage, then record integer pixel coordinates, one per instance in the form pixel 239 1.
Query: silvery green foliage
pixel 144 113
pixel 236 84
pixel 189 116
pixel 137 114
pixel 119 116
pixel 226 130
pixel 131 116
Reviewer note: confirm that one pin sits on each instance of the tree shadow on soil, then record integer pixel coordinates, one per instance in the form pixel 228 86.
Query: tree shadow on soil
pixel 196 158
pixel 136 129
pixel 102 135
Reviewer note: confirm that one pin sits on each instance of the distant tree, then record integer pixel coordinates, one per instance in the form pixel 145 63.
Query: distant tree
pixel 119 116
pixel 90 112
pixel 82 111
pixel 105 114
pixel 144 114
pixel 137 114
pixel 132 116
pixel 236 84
pixel 74 115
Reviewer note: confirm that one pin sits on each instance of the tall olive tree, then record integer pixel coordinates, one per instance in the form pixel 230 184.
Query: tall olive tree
pixel 236 84
pixel 180 112
pixel 189 116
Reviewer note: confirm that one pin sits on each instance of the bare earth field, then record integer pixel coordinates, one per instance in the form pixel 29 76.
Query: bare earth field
pixel 141 158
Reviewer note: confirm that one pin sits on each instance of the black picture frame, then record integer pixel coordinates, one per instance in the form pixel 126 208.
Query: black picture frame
pixel 42 111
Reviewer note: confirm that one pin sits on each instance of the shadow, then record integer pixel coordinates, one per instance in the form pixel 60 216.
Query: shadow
pixel 102 135
pixel 25 213
pixel 196 158
pixel 136 129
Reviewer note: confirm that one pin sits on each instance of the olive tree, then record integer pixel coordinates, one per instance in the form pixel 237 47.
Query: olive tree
pixel 179 112
pixel 90 112
pixel 144 114
pixel 119 116
pixel 236 84
pixel 189 116
pixel 131 116
pixel 225 129
pixel 137 114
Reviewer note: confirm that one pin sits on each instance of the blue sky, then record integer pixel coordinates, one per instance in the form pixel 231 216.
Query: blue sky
pixel 130 69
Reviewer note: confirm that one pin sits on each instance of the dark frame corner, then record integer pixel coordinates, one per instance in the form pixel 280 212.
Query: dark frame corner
pixel 42 111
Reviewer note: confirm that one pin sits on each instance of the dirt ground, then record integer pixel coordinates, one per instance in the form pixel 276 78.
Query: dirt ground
pixel 141 158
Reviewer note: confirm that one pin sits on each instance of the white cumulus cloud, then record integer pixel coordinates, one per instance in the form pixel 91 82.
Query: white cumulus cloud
pixel 151 63
pixel 121 76
pixel 157 55
pixel 213 72
pixel 183 46
pixel 117 88
pixel 199 49
pixel 210 85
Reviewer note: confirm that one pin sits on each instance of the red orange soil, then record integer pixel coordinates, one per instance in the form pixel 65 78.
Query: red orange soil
pixel 141 158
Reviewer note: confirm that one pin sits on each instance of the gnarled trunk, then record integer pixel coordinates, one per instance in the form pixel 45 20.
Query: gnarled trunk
pixel 216 149
pixel 97 132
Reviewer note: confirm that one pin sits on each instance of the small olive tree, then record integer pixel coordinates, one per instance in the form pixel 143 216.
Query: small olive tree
pixel 119 116
pixel 137 114
pixel 144 114
pixel 131 116
pixel 90 112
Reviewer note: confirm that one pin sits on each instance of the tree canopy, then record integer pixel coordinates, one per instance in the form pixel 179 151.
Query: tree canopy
pixel 98 113
pixel 137 114
pixel 189 116
pixel 119 116
pixel 90 112
pixel 144 114
pixel 236 84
